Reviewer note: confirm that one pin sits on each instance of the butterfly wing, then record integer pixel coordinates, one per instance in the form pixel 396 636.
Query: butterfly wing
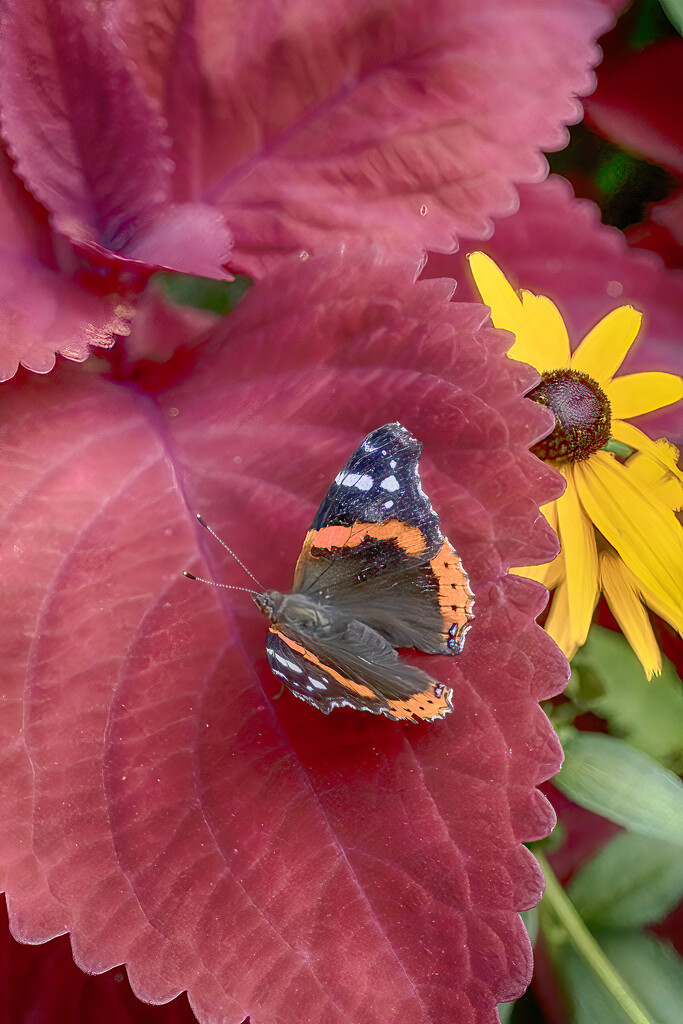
pixel 376 551
pixel 357 668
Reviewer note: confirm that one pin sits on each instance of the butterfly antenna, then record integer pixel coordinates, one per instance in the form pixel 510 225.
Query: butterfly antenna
pixel 203 522
pixel 212 583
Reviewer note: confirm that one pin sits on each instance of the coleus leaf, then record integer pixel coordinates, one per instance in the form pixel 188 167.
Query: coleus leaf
pixel 158 804
pixel 42 309
pixel 91 146
pixel 403 121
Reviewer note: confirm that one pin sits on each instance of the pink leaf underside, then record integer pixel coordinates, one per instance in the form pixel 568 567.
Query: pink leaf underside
pixel 157 803
pixel 403 121
pixel 43 311
pixel 91 146
pixel 556 246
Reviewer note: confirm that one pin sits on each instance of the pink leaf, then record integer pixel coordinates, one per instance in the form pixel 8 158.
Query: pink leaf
pixel 157 803
pixel 556 246
pixel 403 121
pixel 42 310
pixel 90 144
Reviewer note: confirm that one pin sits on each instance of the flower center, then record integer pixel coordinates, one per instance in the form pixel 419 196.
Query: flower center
pixel 583 417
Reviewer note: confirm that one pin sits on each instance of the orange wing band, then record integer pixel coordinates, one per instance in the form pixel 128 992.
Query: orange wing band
pixel 409 538
pixel 348 684
pixel 433 703
pixel 455 596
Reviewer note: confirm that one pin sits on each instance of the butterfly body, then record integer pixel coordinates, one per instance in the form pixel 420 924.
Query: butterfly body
pixel 375 573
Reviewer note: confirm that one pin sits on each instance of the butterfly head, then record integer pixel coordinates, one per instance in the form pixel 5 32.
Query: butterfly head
pixel 269 603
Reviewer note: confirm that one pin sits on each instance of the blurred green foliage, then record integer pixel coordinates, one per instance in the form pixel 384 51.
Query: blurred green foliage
pixel 219 297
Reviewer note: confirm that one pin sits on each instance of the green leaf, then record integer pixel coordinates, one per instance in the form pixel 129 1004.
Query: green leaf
pixel 608 679
pixel 634 880
pixel 608 776
pixel 654 972
pixel 674 12
pixel 505 1011
pixel 566 934
pixel 203 292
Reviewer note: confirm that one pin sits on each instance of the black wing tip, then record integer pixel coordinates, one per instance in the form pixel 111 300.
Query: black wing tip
pixel 394 431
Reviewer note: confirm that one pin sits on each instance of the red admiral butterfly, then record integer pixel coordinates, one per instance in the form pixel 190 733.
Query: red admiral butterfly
pixel 375 573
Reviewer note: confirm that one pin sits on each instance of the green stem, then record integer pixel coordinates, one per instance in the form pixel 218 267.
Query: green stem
pixel 624 451
pixel 583 942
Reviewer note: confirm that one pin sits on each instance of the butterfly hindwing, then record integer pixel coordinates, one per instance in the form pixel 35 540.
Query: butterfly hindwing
pixel 357 668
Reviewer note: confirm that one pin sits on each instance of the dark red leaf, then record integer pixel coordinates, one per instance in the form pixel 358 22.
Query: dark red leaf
pixel 639 102
pixel 42 984
pixel 157 803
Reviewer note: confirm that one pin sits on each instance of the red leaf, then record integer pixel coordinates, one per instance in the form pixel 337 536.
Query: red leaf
pixel 42 983
pixel 556 246
pixel 639 102
pixel 91 146
pixel 156 802
pixel 43 311
pixel 403 121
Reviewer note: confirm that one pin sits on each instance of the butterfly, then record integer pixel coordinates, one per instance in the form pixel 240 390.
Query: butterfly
pixel 375 573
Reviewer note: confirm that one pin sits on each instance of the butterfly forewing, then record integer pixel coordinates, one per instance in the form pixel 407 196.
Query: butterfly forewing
pixel 376 550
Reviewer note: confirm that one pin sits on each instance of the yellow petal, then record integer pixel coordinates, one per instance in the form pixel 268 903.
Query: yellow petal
pixel 646 534
pixel 657 451
pixel 660 476
pixel 581 558
pixel 541 337
pixel 603 350
pixel 637 393
pixel 545 333
pixel 663 609
pixel 549 574
pixel 624 601
pixel 559 625
pixel 550 513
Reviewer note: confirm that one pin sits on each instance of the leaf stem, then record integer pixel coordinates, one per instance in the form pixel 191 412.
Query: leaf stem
pixel 624 451
pixel 583 942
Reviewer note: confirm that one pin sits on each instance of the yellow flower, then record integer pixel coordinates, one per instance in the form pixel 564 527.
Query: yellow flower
pixel 616 523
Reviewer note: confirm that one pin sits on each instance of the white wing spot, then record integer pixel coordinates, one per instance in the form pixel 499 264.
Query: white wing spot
pixel 292 665
pixel 390 484
pixel 393 463
pixel 364 483
pixel 318 685
pixel 388 504
pixel 367 447
pixel 350 479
